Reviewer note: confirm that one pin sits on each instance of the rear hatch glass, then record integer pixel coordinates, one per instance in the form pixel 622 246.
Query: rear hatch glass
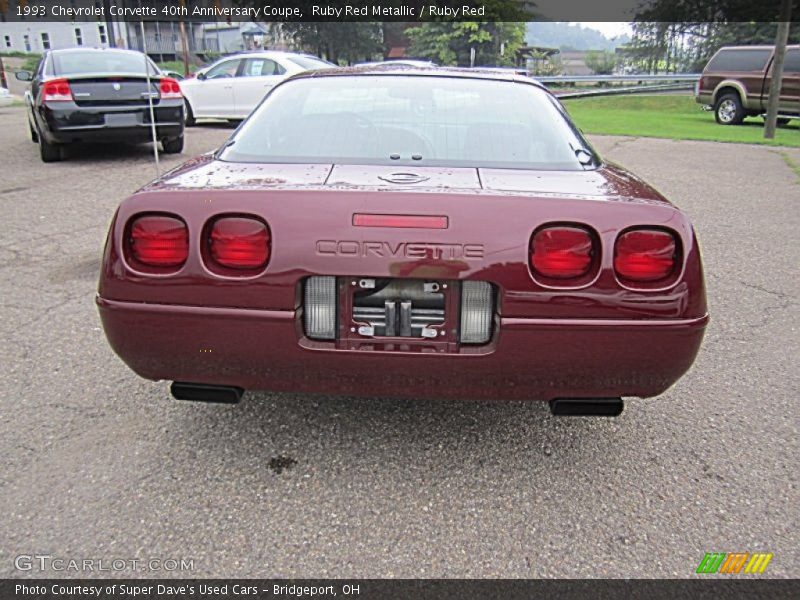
pixel 739 60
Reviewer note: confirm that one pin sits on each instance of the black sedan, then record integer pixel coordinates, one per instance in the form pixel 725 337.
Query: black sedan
pixel 101 95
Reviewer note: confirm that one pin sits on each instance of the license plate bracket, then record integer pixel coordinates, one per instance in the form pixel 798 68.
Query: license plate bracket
pixel 399 312
pixel 122 120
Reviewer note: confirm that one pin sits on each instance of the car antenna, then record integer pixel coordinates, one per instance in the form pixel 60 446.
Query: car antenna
pixel 150 99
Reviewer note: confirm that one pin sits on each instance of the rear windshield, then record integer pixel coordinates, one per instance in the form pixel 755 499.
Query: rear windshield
pixel 309 62
pixel 106 61
pixel 739 60
pixel 409 120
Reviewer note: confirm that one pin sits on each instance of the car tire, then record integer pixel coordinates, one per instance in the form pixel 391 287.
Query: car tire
pixel 782 121
pixel 729 110
pixel 188 114
pixel 173 146
pixel 34 135
pixel 49 152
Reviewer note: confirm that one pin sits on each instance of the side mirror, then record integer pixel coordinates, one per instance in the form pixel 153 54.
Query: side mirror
pixel 24 75
pixel 200 76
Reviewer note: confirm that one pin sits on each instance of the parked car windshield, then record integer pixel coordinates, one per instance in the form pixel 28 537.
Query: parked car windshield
pixel 409 120
pixel 105 61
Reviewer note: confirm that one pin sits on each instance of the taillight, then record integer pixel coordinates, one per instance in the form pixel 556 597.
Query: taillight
pixel 159 241
pixel 645 255
pixel 239 243
pixel 56 90
pixel 170 89
pixel 561 252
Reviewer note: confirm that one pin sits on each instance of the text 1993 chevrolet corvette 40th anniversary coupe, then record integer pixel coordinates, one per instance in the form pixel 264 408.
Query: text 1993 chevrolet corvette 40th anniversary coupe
pixel 405 232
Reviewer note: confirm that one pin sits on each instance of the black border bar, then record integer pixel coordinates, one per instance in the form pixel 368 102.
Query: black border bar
pixel 367 589
pixel 274 11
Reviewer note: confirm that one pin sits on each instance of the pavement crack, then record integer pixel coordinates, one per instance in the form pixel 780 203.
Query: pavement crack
pixel 767 291
pixel 626 140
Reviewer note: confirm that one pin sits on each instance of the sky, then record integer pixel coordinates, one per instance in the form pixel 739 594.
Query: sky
pixel 609 29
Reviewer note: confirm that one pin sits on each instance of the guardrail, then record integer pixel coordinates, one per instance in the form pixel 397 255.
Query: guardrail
pixel 619 91
pixel 692 77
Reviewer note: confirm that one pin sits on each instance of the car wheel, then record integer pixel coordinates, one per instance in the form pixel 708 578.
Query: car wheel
pixel 188 115
pixel 49 152
pixel 782 121
pixel 729 110
pixel 173 146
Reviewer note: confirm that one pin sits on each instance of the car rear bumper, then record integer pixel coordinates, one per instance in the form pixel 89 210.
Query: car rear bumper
pixel 528 359
pixel 704 98
pixel 118 123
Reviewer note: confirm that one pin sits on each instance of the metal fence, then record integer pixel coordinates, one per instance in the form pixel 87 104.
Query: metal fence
pixel 169 44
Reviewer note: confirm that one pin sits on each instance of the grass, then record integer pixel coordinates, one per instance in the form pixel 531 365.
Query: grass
pixel 175 65
pixel 18 54
pixel 30 62
pixel 674 117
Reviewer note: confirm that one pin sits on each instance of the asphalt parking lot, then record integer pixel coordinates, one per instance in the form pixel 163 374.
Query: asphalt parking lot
pixel 97 463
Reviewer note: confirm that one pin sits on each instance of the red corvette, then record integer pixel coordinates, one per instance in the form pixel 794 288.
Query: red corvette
pixel 392 231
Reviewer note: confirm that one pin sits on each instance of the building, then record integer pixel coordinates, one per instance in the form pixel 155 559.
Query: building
pixel 162 39
pixel 38 36
pixel 245 35
pixel 574 63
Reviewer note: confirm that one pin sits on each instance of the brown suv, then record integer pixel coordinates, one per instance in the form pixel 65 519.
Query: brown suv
pixel 736 83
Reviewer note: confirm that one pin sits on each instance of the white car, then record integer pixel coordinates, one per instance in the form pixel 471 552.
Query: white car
pixel 5 97
pixel 401 62
pixel 233 86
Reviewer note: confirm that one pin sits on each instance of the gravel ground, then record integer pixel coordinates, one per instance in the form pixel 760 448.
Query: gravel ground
pixel 97 463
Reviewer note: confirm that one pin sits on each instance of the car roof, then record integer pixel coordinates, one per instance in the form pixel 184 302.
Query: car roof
pixel 408 70
pixel 256 53
pixel 93 50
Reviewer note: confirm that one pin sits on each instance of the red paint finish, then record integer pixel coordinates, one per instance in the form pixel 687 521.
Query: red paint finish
pixel 588 333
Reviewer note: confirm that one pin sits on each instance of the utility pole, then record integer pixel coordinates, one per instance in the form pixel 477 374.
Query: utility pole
pixel 3 82
pixel 184 44
pixel 110 33
pixel 777 69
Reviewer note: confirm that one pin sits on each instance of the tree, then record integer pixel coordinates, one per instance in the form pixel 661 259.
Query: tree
pixel 671 35
pixel 777 70
pixel 347 41
pixel 542 65
pixel 601 63
pixel 450 43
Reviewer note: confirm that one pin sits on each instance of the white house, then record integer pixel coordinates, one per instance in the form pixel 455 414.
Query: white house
pixel 37 36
